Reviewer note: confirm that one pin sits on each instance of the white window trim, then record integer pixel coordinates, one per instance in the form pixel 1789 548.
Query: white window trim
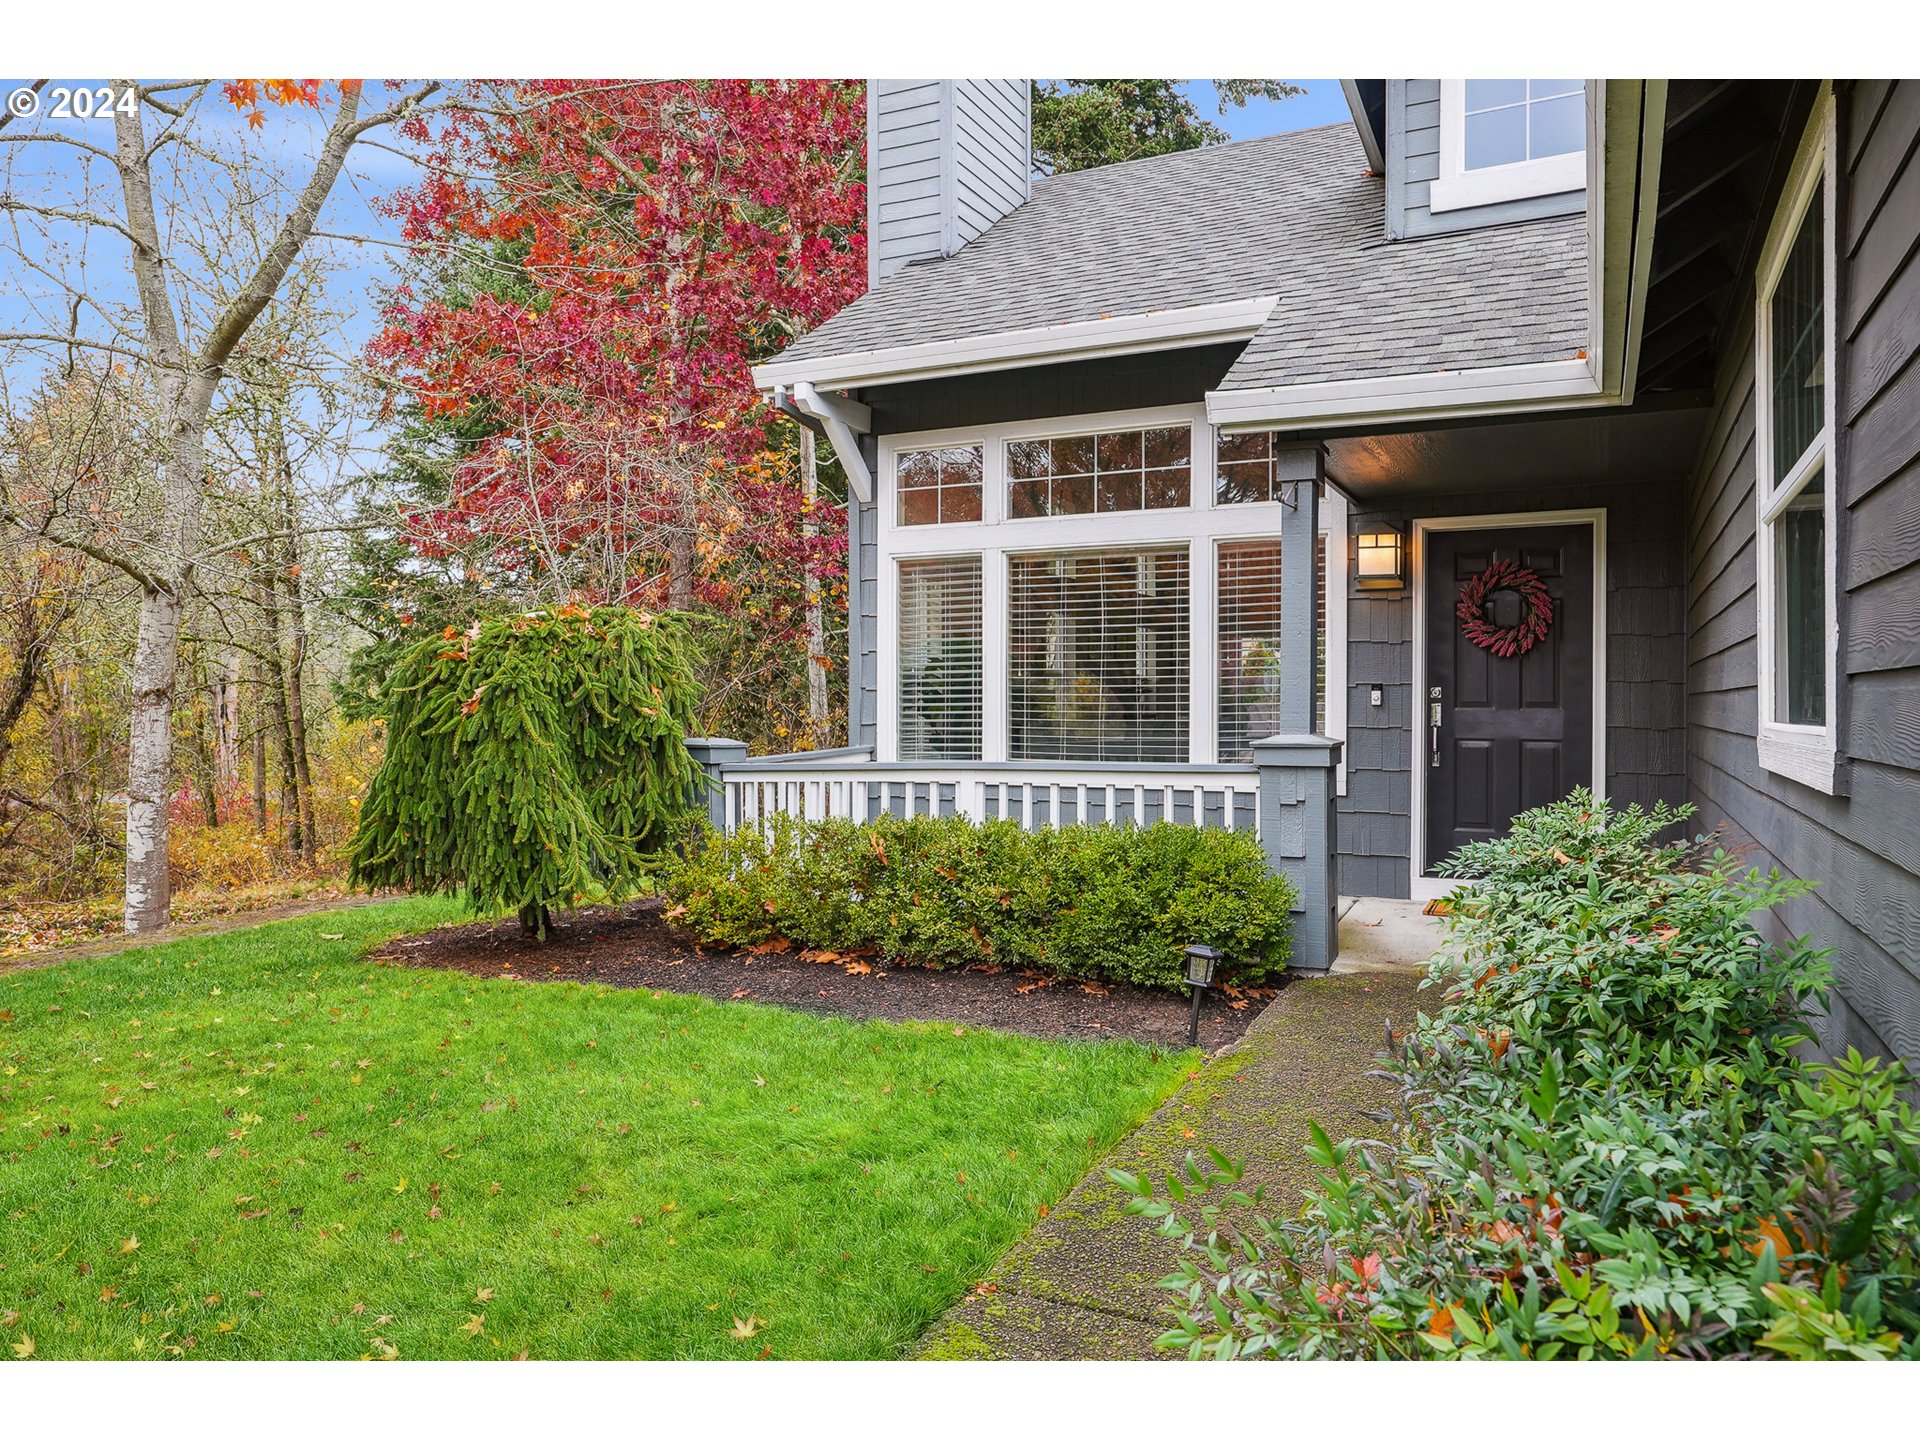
pixel 1458 188
pixel 1199 525
pixel 1804 753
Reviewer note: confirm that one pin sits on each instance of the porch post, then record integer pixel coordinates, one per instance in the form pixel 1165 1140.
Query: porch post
pixel 1297 767
pixel 713 754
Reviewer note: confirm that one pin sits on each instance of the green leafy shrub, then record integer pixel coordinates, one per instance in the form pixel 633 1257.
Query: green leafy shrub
pixel 1606 1143
pixel 534 761
pixel 1090 901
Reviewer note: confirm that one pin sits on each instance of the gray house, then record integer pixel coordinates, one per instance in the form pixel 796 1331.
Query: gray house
pixel 1363 486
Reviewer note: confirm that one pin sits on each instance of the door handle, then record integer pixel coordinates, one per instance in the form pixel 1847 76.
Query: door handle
pixel 1433 727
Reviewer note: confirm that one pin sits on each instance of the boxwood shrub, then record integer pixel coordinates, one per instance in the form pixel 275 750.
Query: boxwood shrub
pixel 1088 901
pixel 1609 1142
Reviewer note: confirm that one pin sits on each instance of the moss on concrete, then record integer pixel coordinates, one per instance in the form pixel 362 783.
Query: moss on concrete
pixel 1085 1281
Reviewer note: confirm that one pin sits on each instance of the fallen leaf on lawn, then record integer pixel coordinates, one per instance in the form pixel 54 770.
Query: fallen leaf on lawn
pixel 401 1186
pixel 481 1296
pixel 108 1294
pixel 23 1347
pixel 669 1208
pixel 595 1239
pixel 474 1325
pixel 742 1329
pixel 10 1318
pixel 253 1215
pixel 324 935
pixel 760 1080
pixel 211 1300
pixel 129 1245
pixel 223 1326
pixel 359 1307
pixel 434 1213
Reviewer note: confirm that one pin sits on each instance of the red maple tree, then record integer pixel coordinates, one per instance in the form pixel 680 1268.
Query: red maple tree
pixel 611 258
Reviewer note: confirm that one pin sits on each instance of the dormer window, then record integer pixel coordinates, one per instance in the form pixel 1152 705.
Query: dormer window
pixel 1504 140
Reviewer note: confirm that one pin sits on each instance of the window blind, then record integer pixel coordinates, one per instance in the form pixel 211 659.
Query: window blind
pixel 1098 656
pixel 1248 615
pixel 940 659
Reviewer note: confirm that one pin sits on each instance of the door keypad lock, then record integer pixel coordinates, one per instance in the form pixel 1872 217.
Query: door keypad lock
pixel 1433 726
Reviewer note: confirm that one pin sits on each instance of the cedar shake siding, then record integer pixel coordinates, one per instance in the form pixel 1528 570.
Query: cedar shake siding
pixel 1863 848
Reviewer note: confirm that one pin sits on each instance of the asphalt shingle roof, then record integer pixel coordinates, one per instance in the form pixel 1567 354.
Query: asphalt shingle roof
pixel 1292 215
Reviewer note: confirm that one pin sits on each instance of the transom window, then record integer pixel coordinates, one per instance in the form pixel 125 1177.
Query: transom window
pixel 1794 489
pixel 940 487
pixel 1510 121
pixel 1243 469
pixel 1104 473
pixel 1098 652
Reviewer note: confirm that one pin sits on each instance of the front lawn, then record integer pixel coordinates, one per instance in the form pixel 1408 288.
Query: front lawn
pixel 259 1145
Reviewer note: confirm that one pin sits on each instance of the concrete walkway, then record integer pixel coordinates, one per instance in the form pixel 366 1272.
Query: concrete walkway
pixel 1084 1283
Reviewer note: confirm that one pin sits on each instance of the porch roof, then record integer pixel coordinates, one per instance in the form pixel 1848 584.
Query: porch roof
pixel 1296 216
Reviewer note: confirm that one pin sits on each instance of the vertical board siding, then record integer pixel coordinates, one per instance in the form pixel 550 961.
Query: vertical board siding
pixel 945 160
pixel 1862 849
pixel 1413 164
pixel 1645 694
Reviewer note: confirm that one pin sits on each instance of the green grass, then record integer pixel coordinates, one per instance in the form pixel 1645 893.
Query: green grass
pixel 313 1151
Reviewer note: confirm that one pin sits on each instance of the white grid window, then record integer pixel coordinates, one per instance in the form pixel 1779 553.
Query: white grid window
pixel 940 487
pixel 1508 122
pixel 1102 474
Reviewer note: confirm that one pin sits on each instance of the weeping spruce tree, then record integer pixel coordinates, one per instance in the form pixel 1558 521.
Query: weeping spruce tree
pixel 535 761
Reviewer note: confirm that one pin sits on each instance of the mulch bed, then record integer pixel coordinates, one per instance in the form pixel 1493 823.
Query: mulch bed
pixel 634 947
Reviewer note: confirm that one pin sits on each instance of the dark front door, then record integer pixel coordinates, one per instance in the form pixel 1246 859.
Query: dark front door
pixel 1504 735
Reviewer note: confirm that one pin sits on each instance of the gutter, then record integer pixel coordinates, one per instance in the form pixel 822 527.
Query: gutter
pixel 1015 349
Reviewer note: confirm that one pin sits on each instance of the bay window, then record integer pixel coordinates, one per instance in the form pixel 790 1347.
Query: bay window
pixel 1794 489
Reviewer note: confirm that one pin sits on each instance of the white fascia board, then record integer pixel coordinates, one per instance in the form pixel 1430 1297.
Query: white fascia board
pixel 1014 349
pixel 1433 395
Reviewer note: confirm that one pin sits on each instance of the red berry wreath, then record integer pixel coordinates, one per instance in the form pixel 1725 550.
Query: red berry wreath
pixel 1536 616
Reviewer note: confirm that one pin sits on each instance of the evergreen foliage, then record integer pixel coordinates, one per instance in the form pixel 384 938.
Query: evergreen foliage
pixel 535 761
pixel 1094 902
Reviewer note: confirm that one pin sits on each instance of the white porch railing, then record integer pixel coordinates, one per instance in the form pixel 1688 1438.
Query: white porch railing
pixel 849 783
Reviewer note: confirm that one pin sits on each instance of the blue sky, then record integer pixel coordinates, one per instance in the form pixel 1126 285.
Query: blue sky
pixel 1323 104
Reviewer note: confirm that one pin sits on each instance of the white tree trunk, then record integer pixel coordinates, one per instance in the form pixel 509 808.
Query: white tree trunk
pixel 150 760
pixel 816 616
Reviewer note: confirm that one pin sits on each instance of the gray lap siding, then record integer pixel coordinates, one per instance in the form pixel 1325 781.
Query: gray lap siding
pixel 1863 848
pixel 1646 647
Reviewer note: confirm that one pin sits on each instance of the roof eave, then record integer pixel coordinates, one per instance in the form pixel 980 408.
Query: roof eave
pixel 1014 349
pixel 1623 182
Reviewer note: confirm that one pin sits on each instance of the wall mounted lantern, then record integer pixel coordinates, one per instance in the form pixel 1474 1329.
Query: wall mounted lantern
pixel 1380 559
